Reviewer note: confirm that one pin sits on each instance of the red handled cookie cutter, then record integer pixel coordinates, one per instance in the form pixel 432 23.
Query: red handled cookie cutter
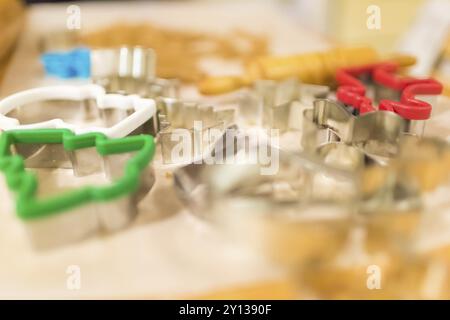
pixel 352 91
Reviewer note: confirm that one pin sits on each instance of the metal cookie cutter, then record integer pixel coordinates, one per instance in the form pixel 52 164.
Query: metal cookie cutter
pixel 305 207
pixel 130 70
pixel 388 87
pixel 375 133
pixel 114 115
pixel 297 203
pixel 420 170
pixel 279 103
pixel 423 163
pixel 367 141
pixel 124 70
pixel 58 209
pixel 189 129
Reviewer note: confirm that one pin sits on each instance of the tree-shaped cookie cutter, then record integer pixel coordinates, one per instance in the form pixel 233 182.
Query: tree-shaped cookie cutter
pixel 74 214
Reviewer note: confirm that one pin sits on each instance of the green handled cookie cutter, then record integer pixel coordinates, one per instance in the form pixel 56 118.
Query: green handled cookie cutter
pixel 24 183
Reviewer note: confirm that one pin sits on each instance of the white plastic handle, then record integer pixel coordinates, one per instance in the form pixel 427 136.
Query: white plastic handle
pixel 144 109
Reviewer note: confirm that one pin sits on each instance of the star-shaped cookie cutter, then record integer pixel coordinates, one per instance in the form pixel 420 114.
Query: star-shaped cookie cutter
pixel 74 214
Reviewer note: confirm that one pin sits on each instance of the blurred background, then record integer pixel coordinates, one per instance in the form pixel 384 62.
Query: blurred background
pixel 419 27
pixel 177 255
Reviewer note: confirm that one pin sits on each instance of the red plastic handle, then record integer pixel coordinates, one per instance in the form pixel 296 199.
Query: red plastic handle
pixel 409 107
pixel 385 74
pixel 351 90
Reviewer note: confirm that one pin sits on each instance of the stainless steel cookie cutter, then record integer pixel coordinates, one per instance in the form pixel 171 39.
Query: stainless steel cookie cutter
pixel 239 172
pixel 420 172
pixel 423 163
pixel 279 104
pixel 336 136
pixel 130 70
pixel 124 70
pixel 308 204
pixel 98 192
pixel 411 98
pixel 276 211
pixel 189 129
pixel 376 133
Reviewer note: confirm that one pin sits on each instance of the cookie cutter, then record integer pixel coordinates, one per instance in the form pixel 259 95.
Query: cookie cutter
pixel 125 69
pixel 364 144
pixel 420 170
pixel 376 133
pixel 130 70
pixel 423 163
pixel 408 92
pixel 269 103
pixel 107 203
pixel 278 211
pixel 121 114
pixel 190 129
pixel 279 103
pixel 274 212
pixel 392 185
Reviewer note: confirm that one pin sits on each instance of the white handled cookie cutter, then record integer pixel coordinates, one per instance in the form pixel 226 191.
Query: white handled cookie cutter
pixel 132 111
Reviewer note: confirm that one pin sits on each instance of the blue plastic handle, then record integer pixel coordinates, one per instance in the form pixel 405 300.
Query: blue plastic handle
pixel 75 63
